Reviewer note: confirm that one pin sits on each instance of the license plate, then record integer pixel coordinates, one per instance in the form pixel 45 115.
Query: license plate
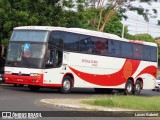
pixel 20 80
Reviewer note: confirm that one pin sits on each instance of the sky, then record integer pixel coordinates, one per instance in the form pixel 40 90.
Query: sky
pixel 136 23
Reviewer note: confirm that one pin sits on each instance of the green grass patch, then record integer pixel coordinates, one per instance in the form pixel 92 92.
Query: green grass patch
pixel 128 102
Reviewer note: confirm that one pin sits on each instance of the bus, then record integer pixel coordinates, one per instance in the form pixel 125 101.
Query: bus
pixel 66 58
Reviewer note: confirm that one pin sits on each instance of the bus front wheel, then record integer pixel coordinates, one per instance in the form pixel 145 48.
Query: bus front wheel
pixel 66 85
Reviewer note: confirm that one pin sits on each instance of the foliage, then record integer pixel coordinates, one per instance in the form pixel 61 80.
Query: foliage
pixel 28 12
pixel 127 102
pixel 104 11
pixel 65 13
pixel 115 26
pixel 157 38
pixel 144 37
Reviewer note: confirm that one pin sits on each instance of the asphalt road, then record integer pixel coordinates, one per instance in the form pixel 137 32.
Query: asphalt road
pixel 21 99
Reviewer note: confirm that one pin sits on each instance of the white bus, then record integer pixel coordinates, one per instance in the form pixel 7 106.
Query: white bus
pixel 66 58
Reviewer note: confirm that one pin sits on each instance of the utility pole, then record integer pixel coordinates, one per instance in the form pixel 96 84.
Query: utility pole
pixel 136 24
pixel 148 28
pixel 123 31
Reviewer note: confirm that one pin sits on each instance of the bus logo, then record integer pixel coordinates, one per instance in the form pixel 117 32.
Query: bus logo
pixel 20 73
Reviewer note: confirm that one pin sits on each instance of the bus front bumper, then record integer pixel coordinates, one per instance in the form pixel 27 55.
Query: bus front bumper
pixel 25 80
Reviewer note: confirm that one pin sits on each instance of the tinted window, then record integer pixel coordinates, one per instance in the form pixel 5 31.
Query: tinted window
pixel 26 55
pixel 126 50
pixel 153 54
pixel 137 51
pixel 146 53
pixel 29 35
pixel 56 39
pixel 101 46
pixel 86 44
pixel 114 48
pixel 71 41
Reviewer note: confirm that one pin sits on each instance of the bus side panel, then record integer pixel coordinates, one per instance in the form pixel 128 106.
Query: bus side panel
pixel 93 65
pixel 112 72
pixel 53 76
pixel 148 72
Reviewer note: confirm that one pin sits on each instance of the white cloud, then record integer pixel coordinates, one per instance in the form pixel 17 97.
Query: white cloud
pixel 136 23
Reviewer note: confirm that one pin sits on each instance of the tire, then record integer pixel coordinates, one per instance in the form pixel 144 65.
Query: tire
pixel 138 88
pixel 129 87
pixel 34 88
pixel 66 85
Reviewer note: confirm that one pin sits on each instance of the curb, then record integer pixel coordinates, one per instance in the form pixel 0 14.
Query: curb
pixel 77 105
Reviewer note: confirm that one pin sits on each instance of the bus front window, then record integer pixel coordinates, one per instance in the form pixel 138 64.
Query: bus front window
pixel 29 35
pixel 14 52
pixel 26 55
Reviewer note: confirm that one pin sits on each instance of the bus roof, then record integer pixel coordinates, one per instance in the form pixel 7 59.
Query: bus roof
pixel 84 32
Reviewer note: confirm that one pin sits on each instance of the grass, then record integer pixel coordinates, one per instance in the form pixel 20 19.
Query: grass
pixel 128 102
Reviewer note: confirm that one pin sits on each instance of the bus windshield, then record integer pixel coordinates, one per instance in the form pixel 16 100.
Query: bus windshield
pixel 25 55
pixel 29 35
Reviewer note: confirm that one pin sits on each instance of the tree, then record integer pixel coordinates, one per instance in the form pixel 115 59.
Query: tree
pixel 28 12
pixel 144 37
pixel 103 11
pixel 65 13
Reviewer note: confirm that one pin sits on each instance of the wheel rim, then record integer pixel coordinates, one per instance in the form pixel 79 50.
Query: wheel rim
pixel 129 88
pixel 66 85
pixel 138 87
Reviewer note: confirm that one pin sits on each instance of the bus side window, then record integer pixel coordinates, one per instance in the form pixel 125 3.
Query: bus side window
pixel 58 58
pixel 86 44
pixel 49 59
pixel 101 46
pixel 53 58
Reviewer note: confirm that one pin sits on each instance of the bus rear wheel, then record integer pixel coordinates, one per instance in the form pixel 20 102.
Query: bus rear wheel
pixel 66 85
pixel 33 88
pixel 138 87
pixel 129 87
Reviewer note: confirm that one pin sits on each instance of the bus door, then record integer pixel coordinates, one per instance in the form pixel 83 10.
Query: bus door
pixel 53 63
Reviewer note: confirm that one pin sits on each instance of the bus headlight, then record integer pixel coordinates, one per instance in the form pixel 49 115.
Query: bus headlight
pixel 8 72
pixel 35 74
pixel 35 81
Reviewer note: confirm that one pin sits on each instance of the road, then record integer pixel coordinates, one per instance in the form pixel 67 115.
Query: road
pixel 21 99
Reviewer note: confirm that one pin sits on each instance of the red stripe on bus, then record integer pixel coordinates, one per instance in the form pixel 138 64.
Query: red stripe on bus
pixel 114 79
pixel 152 70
